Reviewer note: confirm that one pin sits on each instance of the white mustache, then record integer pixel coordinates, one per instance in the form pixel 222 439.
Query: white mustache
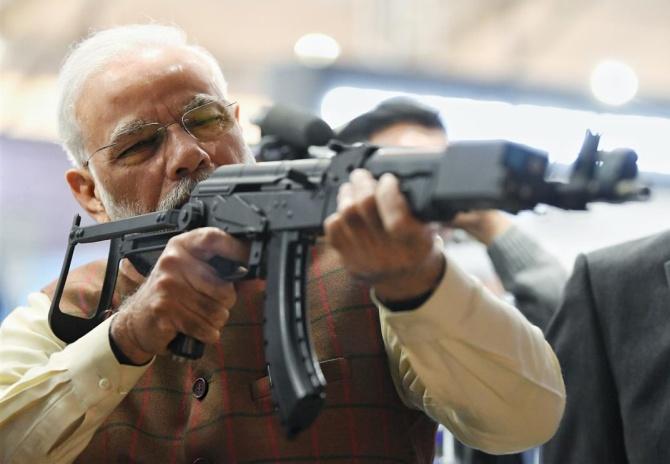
pixel 182 191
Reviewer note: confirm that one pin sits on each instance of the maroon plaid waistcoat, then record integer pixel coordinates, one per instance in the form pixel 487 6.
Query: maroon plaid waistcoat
pixel 218 409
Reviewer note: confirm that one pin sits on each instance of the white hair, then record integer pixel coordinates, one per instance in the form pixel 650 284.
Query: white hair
pixel 98 49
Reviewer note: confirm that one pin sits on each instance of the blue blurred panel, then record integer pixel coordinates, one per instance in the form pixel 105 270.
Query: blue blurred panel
pixel 36 210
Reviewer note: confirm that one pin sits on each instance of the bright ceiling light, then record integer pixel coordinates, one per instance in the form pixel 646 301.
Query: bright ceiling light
pixel 316 50
pixel 614 82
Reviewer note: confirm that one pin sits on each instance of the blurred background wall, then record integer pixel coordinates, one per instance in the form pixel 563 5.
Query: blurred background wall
pixel 539 72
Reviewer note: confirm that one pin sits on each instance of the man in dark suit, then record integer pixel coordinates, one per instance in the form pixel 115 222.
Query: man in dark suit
pixel 612 337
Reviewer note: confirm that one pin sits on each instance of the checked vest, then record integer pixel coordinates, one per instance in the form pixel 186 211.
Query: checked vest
pixel 218 409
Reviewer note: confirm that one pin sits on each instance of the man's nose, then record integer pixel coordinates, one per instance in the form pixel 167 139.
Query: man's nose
pixel 184 154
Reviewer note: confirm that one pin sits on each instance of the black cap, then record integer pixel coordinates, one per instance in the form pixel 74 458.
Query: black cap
pixel 392 111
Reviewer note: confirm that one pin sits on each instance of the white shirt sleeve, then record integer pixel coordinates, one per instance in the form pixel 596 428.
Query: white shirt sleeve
pixel 469 360
pixel 53 397
pixel 473 363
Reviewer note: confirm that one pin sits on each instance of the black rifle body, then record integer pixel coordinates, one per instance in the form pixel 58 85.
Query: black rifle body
pixel 280 207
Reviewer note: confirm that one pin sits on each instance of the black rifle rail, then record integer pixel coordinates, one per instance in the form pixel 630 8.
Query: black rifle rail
pixel 280 207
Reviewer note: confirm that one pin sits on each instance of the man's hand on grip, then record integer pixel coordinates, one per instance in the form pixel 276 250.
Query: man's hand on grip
pixel 182 294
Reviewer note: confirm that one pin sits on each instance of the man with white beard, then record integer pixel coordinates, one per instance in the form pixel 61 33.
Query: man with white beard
pixel 404 337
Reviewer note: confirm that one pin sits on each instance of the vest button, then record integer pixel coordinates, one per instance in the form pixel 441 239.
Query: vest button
pixel 200 387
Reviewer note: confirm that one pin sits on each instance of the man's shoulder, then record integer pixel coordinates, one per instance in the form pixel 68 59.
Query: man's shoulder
pixel 630 261
pixel 654 247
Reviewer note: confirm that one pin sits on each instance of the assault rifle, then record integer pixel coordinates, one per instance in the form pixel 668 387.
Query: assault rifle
pixel 280 207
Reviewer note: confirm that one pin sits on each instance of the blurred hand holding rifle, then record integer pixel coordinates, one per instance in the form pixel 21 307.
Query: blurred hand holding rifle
pixel 280 207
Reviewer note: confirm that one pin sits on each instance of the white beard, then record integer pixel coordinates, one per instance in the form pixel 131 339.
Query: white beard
pixel 122 209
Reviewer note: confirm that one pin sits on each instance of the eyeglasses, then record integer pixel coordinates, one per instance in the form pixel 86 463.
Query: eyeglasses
pixel 204 123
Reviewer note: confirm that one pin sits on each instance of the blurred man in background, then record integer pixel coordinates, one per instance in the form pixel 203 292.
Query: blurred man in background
pixel 144 117
pixel 531 275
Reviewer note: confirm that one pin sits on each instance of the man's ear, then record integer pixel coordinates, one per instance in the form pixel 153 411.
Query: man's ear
pixel 237 112
pixel 83 188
